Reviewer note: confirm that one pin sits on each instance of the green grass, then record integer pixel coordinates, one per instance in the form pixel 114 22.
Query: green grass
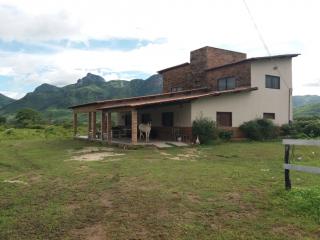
pixel 225 191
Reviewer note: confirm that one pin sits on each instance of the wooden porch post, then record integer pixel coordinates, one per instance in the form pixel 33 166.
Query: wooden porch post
pixel 109 127
pixel 89 124
pixel 75 124
pixel 134 126
pixel 94 125
pixel 103 124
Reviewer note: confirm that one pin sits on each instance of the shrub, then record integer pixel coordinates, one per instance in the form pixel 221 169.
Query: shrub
pixel 302 128
pixel 288 130
pixel 225 134
pixel 205 129
pixel 260 129
pixel 49 130
pixel 3 120
pixel 35 126
pixel 312 128
pixel 26 117
pixel 67 125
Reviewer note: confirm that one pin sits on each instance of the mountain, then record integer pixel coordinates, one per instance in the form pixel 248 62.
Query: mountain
pixel 4 100
pixel 299 101
pixel 54 101
pixel 309 110
pixel 306 106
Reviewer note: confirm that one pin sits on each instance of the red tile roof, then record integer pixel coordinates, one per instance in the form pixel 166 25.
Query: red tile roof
pixel 159 95
pixel 172 98
pixel 173 67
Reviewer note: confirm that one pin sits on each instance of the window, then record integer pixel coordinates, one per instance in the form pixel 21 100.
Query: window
pixel 226 83
pixel 145 118
pixel 269 115
pixel 176 89
pixel 167 119
pixel 224 119
pixel 272 82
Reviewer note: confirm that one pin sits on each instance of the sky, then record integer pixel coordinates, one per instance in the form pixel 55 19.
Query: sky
pixel 58 42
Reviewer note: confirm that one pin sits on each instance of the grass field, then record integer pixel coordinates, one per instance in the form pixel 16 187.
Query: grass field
pixel 224 191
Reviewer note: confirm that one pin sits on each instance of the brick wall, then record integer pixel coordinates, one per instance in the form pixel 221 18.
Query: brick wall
pixel 177 77
pixel 217 57
pixel 240 71
pixel 195 75
pixel 198 65
pixel 209 57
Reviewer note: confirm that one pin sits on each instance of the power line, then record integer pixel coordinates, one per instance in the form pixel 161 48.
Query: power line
pixel 257 29
pixel 263 41
pixel 269 53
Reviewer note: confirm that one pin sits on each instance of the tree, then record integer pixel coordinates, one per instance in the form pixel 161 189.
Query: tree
pixel 27 116
pixel 3 120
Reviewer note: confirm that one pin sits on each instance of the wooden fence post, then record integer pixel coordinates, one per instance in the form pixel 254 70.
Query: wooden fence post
pixel 287 171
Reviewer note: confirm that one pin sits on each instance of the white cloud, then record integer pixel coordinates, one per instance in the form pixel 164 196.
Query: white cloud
pixel 19 26
pixel 14 95
pixel 6 71
pixel 313 84
pixel 287 26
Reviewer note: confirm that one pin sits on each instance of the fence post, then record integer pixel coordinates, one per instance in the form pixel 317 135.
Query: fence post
pixel 287 171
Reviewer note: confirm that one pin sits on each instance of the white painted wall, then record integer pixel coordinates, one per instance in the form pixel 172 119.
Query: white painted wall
pixel 250 105
pixel 181 114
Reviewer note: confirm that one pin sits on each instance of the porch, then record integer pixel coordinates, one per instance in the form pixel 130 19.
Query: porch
pixel 171 124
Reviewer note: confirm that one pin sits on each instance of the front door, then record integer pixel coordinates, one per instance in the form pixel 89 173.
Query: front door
pixel 127 120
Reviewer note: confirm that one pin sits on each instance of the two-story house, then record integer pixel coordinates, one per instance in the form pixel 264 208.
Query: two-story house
pixel 218 84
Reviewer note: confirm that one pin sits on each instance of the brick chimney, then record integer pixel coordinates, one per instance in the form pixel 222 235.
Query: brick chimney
pixel 210 57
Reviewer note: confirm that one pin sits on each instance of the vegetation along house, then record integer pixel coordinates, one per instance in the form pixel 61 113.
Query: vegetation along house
pixel 219 84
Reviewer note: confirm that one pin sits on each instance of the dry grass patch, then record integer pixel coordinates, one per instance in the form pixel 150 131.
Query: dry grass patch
pixel 96 156
pixel 88 154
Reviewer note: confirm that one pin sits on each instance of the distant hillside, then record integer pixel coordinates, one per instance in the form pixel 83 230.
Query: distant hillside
pixel 306 106
pixel 309 110
pixel 53 101
pixel 299 101
pixel 4 100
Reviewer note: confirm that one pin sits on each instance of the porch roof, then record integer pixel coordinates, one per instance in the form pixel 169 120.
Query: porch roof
pixel 171 98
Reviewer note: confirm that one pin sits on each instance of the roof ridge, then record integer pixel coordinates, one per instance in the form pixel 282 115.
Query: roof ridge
pixel 255 59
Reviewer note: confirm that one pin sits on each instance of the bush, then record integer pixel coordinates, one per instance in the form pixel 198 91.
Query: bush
pixel 49 130
pixel 67 125
pixel 302 128
pixel 260 129
pixel 225 134
pixel 3 120
pixel 26 117
pixel 35 126
pixel 312 128
pixel 288 130
pixel 205 129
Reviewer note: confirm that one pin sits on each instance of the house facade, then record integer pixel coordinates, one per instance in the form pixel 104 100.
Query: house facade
pixel 218 84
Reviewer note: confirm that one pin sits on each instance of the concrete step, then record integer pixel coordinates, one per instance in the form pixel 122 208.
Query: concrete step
pixel 178 144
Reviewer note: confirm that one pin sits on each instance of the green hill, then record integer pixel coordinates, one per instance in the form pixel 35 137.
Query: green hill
pixel 4 100
pixel 309 110
pixel 53 102
pixel 299 101
pixel 306 106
